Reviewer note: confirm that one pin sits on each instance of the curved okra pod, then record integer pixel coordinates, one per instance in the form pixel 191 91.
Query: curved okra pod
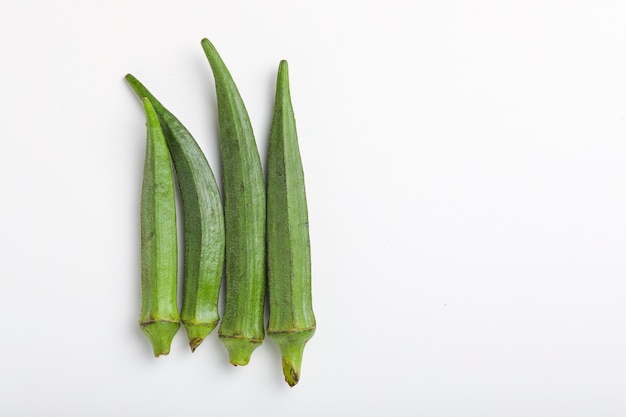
pixel 292 322
pixel 159 318
pixel 241 329
pixel 203 223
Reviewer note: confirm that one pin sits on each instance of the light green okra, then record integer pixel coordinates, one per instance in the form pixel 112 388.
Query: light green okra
pixel 159 318
pixel 291 321
pixel 203 224
pixel 241 329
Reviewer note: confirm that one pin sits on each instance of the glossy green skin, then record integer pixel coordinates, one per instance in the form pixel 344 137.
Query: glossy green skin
pixel 203 224
pixel 159 318
pixel 291 322
pixel 241 329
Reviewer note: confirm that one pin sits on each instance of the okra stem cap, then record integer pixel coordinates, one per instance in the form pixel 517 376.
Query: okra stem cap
pixel 196 333
pixel 291 346
pixel 160 334
pixel 239 349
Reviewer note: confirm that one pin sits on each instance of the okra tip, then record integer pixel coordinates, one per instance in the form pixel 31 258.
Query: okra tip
pixel 160 334
pixel 215 60
pixel 196 333
pixel 206 43
pixel 131 80
pixel 292 361
pixel 283 67
pixel 291 346
pixel 240 349
pixel 209 48
pixel 282 81
pixel 148 104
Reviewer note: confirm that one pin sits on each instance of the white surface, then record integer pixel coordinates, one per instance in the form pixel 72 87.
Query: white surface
pixel 465 167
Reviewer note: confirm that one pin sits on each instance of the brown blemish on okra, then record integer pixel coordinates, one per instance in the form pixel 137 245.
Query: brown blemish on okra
pixel 241 329
pixel 159 318
pixel 203 224
pixel 195 342
pixel 291 318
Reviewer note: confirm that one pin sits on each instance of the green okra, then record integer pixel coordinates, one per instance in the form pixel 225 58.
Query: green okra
pixel 241 329
pixel 159 318
pixel 203 221
pixel 291 319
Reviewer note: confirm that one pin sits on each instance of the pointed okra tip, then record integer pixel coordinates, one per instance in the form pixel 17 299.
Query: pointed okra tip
pixel 292 360
pixel 239 349
pixel 160 334
pixel 282 81
pixel 196 333
pixel 131 80
pixel 206 43
pixel 152 118
pixel 208 47
pixel 291 346
pixel 283 68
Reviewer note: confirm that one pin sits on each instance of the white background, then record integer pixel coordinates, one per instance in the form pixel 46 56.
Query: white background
pixel 465 165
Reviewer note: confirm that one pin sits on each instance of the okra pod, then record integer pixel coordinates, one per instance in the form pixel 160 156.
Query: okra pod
pixel 203 221
pixel 241 329
pixel 159 318
pixel 291 319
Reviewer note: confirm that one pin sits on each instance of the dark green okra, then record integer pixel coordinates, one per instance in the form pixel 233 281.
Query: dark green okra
pixel 203 224
pixel 159 318
pixel 291 322
pixel 241 329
